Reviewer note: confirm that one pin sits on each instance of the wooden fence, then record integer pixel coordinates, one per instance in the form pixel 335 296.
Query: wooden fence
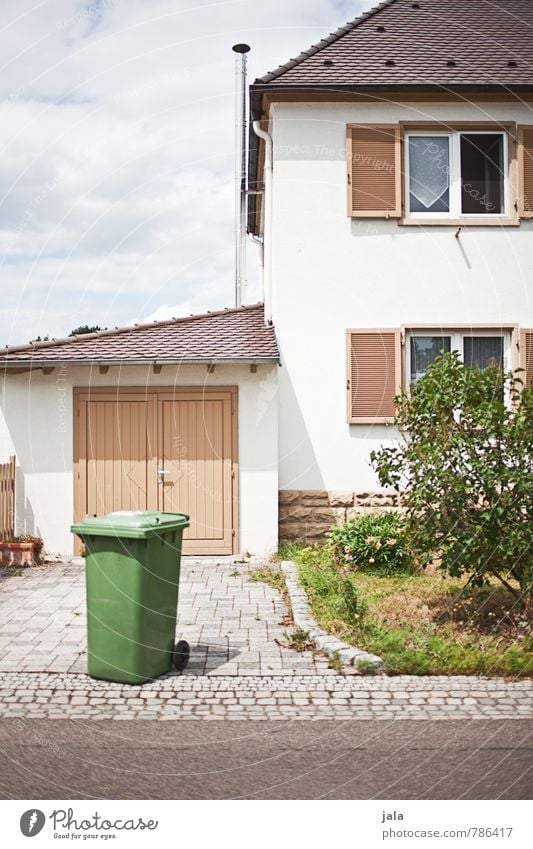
pixel 7 498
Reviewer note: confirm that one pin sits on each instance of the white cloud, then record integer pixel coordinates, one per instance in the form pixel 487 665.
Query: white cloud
pixel 167 311
pixel 116 138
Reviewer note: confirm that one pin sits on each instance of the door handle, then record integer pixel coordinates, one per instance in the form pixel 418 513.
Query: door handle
pixel 161 472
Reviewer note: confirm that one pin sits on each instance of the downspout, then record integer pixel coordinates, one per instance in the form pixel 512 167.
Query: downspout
pixel 267 224
pixel 258 241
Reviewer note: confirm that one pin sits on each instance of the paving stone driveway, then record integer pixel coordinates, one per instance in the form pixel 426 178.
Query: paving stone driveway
pixel 234 626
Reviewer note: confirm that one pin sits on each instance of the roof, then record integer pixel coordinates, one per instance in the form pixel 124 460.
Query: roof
pixel 407 43
pixel 230 335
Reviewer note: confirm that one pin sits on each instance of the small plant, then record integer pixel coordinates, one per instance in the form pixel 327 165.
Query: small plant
pixel 299 640
pixel 374 543
pixel 335 662
pixel 234 574
pixel 355 608
pixel 366 667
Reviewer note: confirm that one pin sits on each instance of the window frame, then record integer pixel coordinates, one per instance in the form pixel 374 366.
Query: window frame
pixel 454 136
pixel 457 334
pixel 428 127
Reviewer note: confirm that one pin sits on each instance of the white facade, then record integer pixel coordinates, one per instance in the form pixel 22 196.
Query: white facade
pixel 331 272
pixel 36 424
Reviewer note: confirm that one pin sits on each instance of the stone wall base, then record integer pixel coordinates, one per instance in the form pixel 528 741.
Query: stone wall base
pixel 308 514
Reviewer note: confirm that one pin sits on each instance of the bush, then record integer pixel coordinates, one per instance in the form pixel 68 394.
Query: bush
pixel 374 543
pixel 465 472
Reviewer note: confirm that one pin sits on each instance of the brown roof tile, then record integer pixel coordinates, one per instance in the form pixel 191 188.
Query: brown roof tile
pixel 405 43
pixel 231 335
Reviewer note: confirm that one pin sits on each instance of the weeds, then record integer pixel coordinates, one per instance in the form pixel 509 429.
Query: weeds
pixel 335 662
pixel 299 640
pixel 366 667
pixel 273 577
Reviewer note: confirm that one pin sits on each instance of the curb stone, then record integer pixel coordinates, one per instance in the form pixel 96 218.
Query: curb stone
pixel 303 619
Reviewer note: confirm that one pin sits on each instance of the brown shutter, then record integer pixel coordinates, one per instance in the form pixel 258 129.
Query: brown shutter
pixel 525 171
pixel 374 375
pixel 374 171
pixel 526 357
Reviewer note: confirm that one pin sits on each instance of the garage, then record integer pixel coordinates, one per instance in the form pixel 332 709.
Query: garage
pixel 173 450
pixel 177 416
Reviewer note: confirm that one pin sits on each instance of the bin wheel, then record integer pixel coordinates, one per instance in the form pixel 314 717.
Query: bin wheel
pixel 181 655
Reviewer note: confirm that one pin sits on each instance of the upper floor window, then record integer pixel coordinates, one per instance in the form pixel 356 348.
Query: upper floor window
pixel 441 174
pixel 456 174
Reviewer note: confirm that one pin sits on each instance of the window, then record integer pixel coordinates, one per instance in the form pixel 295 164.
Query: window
pixel 482 183
pixel 423 351
pixel 429 174
pixel 476 349
pixel 483 351
pixel 456 174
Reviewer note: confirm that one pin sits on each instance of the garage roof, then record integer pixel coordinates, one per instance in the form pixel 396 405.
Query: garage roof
pixel 230 335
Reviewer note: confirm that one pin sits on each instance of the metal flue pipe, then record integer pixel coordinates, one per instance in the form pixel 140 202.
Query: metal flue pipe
pixel 240 51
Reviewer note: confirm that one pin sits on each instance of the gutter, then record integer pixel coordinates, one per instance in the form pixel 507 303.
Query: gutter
pixel 30 365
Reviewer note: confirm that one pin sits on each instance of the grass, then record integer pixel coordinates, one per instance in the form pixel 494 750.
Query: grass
pixel 421 623
pixel 273 577
pixel 287 551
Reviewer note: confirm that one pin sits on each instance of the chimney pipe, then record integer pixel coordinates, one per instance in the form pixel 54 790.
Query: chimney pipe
pixel 240 51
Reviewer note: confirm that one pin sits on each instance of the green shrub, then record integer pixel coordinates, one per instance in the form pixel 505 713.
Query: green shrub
pixel 374 543
pixel 465 471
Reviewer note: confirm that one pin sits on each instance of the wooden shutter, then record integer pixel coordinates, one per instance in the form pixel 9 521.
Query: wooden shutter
pixel 374 375
pixel 525 171
pixel 526 357
pixel 374 171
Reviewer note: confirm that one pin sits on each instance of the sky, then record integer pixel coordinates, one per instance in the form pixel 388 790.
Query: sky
pixel 117 153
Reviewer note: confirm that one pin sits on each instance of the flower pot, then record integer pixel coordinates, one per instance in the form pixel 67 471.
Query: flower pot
pixel 19 553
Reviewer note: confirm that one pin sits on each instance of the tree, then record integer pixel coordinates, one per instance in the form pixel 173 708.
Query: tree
pixel 84 328
pixel 465 471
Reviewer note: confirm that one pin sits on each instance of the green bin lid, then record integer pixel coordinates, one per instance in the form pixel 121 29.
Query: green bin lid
pixel 130 523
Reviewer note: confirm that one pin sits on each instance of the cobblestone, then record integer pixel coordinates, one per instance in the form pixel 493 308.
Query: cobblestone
pixel 259 697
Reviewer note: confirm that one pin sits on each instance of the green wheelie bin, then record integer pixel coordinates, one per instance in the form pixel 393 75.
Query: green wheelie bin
pixel 132 576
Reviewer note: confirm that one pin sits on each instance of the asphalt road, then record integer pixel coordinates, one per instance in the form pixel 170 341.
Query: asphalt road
pixel 77 759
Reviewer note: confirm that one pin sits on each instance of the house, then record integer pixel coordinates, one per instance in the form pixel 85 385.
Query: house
pixel 396 158
pixel 391 184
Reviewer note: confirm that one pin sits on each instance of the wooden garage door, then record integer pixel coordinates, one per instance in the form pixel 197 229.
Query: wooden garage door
pixel 173 451
pixel 196 455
